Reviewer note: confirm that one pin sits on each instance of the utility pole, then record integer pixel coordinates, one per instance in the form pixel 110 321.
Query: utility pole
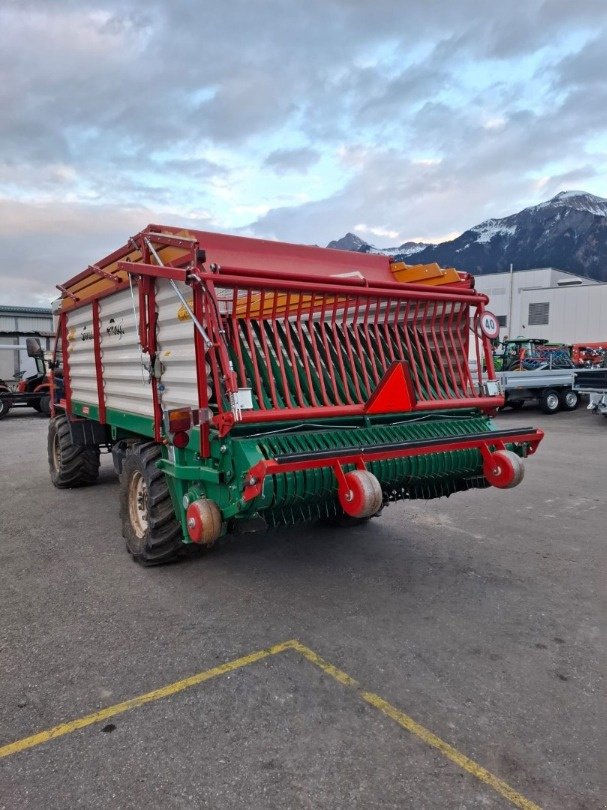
pixel 510 330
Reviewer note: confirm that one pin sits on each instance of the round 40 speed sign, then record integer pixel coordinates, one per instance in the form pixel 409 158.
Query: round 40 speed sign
pixel 489 325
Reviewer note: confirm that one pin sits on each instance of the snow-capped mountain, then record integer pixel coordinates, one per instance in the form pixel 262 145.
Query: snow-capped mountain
pixel 568 232
pixel 352 242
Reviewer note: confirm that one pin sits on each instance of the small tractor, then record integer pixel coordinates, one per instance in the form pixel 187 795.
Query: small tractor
pixel 242 384
pixel 31 392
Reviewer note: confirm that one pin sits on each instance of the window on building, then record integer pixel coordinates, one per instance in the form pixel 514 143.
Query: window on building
pixel 539 314
pixel 502 320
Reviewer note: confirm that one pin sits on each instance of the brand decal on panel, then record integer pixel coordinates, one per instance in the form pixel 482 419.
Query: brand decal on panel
pixel 115 328
pixel 86 333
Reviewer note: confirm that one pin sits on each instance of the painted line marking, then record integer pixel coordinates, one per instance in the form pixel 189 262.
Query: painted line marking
pixel 141 700
pixel 403 720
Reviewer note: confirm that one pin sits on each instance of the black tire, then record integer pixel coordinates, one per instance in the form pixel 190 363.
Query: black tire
pixel 569 399
pixel 44 405
pixel 149 525
pixel 36 406
pixel 5 405
pixel 71 465
pixel 549 400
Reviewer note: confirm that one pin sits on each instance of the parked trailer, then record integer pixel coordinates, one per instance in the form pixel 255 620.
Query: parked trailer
pixel 552 389
pixel 593 381
pixel 241 384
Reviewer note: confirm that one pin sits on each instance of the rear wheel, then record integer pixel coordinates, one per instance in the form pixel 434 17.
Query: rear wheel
pixel 549 400
pixel 71 465
pixel 569 400
pixel 149 526
pixel 5 405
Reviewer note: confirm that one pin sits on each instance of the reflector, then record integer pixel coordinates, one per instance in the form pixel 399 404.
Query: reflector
pixel 178 419
pixel 181 439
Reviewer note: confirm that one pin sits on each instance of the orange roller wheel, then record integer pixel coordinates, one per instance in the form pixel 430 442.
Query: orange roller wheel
pixel 363 496
pixel 504 469
pixel 203 521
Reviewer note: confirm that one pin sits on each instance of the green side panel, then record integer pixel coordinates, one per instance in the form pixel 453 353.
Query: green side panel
pixel 142 425
pixel 131 422
pixel 88 411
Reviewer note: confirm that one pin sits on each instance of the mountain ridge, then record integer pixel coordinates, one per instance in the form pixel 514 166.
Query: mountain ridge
pixel 568 232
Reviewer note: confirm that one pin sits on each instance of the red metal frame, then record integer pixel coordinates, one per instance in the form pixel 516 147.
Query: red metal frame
pixel 98 368
pixel 434 326
pixel 201 378
pixel 66 363
pixel 297 315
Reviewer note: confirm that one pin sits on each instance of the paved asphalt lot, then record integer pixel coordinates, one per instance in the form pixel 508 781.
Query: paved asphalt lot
pixel 477 615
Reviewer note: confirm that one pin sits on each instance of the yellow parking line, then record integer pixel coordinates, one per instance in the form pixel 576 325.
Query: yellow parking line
pixel 449 751
pixel 461 760
pixel 141 700
pixel 403 720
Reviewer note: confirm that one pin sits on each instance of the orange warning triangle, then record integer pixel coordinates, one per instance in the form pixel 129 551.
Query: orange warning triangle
pixel 394 394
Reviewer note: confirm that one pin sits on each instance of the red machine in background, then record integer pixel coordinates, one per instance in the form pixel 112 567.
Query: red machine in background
pixel 29 392
pixel 588 355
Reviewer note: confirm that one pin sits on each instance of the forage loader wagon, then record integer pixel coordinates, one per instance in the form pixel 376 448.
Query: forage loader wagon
pixel 241 383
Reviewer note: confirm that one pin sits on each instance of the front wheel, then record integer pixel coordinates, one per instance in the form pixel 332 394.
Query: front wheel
pixel 549 400
pixel 569 400
pixel 149 526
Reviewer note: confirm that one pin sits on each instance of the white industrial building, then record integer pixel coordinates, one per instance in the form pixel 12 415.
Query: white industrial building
pixel 547 303
pixel 17 324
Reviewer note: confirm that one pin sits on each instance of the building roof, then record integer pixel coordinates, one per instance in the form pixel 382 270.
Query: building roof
pixel 17 310
pixel 27 333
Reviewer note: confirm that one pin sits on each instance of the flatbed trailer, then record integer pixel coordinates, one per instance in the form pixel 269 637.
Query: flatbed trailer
pixel 552 388
pixel 242 384
pixel 593 381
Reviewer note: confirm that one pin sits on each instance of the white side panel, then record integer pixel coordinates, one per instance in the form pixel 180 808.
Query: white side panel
pixel 81 355
pixel 125 381
pixel 176 347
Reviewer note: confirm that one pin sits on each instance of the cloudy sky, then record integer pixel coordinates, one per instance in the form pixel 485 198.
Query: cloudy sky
pixel 286 119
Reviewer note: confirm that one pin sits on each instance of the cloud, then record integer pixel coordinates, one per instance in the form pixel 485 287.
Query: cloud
pixel 44 245
pixel 292 160
pixel 376 230
pixel 420 118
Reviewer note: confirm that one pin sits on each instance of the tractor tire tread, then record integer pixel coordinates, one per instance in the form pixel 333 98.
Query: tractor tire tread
pixel 163 541
pixel 79 466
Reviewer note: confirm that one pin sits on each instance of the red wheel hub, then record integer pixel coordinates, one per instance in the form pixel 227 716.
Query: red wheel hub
pixel 362 496
pixel 203 520
pixel 503 469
